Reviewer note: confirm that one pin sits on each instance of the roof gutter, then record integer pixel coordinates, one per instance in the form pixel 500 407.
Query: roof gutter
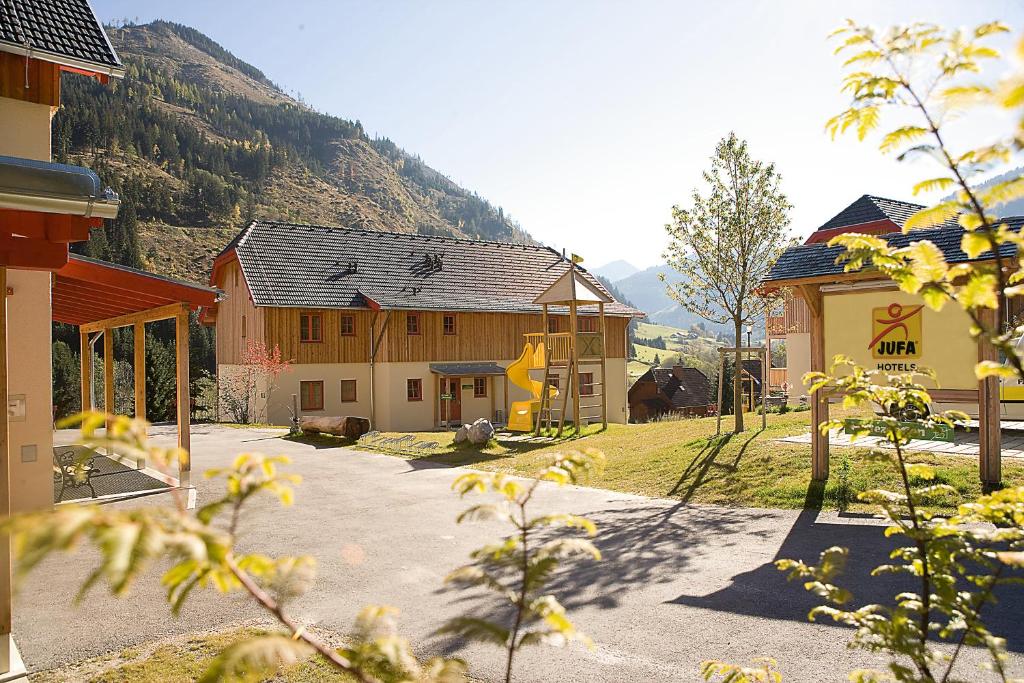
pixel 63 60
pixel 89 208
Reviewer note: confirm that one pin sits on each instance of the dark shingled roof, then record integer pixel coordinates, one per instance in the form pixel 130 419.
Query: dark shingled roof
pixel 289 265
pixel 683 387
pixel 62 31
pixel 753 368
pixel 815 260
pixel 870 208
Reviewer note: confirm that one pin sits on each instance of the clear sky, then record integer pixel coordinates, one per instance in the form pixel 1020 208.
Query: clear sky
pixel 585 120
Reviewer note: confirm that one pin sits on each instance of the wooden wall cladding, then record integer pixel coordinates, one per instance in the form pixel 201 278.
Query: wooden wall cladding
pixel 43 80
pixel 478 336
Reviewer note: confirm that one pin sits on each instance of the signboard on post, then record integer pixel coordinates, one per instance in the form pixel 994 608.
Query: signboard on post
pixel 892 332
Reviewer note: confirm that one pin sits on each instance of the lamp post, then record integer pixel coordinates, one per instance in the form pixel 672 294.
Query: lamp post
pixel 750 328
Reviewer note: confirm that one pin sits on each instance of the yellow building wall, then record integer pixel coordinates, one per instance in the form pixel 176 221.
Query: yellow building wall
pixel 25 133
pixel 798 363
pixel 945 342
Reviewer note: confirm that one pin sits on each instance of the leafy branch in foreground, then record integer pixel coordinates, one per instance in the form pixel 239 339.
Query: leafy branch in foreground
pixel 953 565
pixel 201 550
pixel 764 671
pixel 518 568
pixel 932 74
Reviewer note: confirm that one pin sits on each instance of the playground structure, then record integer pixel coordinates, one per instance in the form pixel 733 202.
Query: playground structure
pixel 523 414
pixel 561 354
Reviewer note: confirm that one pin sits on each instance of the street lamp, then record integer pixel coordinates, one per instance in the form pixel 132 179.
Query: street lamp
pixel 750 328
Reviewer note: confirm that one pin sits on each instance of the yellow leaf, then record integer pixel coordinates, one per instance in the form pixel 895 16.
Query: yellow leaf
pixel 990 368
pixel 934 297
pixel 932 216
pixel 901 136
pixel 933 184
pixel 979 292
pixel 1004 192
pixel 1015 558
pixel 867 121
pixel 927 261
pixel 974 244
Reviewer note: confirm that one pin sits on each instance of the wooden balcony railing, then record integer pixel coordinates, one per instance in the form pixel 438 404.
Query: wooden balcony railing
pixel 558 343
pixel 776 326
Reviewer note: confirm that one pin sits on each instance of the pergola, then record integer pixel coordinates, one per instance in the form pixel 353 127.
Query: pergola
pixel 99 297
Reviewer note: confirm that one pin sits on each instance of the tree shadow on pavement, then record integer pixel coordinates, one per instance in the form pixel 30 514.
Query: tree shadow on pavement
pixel 702 464
pixel 765 592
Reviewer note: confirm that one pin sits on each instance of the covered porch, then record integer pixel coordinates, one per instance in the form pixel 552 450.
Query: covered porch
pixel 452 394
pixel 98 298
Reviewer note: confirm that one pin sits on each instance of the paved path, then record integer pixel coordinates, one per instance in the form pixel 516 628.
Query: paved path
pixel 963 443
pixel 679 583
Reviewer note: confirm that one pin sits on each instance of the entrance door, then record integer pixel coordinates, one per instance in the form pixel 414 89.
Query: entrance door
pixel 451 409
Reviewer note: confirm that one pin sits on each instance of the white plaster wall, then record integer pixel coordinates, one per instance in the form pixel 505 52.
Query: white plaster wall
pixel 24 129
pixel 395 413
pixel 29 377
pixel 25 132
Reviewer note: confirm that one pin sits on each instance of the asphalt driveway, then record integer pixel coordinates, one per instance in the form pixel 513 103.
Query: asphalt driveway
pixel 679 584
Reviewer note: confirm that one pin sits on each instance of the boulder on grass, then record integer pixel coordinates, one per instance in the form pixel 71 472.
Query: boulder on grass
pixel 462 434
pixel 355 427
pixel 480 432
pixel 348 427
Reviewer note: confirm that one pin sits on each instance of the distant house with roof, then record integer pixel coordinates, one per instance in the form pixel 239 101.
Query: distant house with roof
pixel 412 331
pixel 670 391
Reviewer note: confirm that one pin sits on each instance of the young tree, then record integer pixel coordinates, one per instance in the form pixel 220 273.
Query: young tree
pixel 724 244
pixel 259 364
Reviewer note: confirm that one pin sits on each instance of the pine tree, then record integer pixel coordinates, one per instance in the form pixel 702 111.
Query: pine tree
pixel 160 380
pixel 67 398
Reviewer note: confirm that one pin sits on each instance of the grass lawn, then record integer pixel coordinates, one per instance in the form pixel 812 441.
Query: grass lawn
pixel 685 460
pixel 646 354
pixel 183 658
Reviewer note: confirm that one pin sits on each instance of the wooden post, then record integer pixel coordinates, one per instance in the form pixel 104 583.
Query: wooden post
pixel 765 359
pixel 819 402
pixel 491 390
pixel 108 373
pixel 437 404
pixel 86 356
pixel 990 436
pixel 604 371
pixel 181 360
pixel 140 371
pixel 721 378
pixel 5 490
pixel 504 396
pixel 574 366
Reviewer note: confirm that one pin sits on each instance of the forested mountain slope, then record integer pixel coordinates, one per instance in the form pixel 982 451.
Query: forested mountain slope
pixel 198 143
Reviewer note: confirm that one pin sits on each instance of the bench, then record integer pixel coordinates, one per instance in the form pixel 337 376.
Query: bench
pixel 72 472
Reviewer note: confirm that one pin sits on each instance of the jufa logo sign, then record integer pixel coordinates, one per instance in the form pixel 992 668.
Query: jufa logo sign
pixel 896 332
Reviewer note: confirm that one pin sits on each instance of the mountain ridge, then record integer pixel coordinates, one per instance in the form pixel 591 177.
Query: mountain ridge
pixel 199 142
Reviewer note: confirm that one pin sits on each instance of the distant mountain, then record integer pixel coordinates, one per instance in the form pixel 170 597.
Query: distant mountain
pixel 649 293
pixel 616 270
pixel 1013 208
pixel 198 143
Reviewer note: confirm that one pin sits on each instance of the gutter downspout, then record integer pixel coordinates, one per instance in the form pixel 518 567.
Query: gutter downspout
pixel 374 347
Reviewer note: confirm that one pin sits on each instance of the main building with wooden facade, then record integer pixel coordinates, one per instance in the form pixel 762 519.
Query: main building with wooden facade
pixel 411 331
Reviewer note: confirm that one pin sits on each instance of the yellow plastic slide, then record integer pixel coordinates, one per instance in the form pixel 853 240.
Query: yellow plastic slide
pixel 522 414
